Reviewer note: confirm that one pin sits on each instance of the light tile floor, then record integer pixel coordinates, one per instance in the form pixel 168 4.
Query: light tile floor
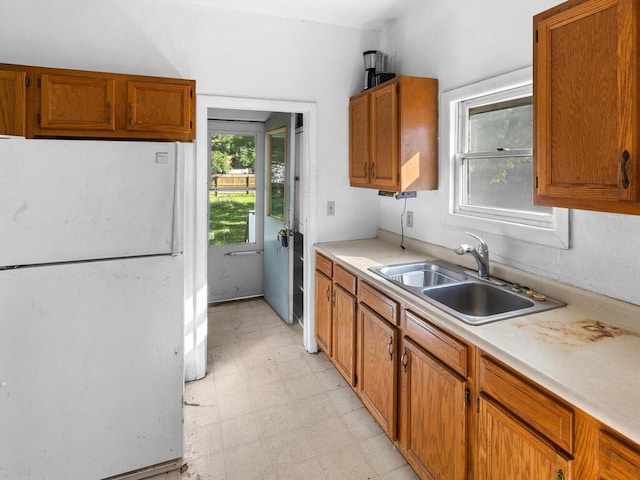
pixel 267 410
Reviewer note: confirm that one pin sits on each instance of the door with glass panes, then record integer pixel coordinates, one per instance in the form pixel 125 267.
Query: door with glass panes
pixel 235 261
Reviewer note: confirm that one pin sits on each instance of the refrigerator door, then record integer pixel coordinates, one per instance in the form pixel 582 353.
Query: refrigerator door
pixel 64 201
pixel 91 368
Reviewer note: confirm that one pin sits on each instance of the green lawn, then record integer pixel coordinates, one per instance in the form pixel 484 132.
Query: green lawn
pixel 228 217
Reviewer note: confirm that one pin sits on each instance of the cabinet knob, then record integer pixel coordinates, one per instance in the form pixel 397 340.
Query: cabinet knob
pixel 364 171
pixel 560 475
pixel 623 169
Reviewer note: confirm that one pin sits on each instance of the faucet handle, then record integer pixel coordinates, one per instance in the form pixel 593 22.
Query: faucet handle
pixel 483 247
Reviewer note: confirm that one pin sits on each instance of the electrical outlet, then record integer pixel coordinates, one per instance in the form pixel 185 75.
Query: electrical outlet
pixel 331 208
pixel 409 219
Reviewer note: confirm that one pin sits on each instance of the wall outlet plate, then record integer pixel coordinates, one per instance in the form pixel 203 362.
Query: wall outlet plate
pixel 409 219
pixel 331 208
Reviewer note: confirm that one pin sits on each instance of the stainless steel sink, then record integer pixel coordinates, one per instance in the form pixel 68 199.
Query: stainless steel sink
pixel 420 274
pixel 462 294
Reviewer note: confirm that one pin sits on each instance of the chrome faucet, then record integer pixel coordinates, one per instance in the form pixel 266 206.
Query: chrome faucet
pixel 481 255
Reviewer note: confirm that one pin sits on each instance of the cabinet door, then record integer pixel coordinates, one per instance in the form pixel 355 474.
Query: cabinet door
pixel 435 416
pixel 384 131
pixel 586 106
pixel 618 461
pixel 507 450
pixel 323 323
pixel 159 107
pixel 359 146
pixel 76 103
pixel 377 380
pixel 13 102
pixel 344 333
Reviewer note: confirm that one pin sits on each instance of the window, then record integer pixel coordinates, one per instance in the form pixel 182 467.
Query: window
pixel 491 155
pixel 232 190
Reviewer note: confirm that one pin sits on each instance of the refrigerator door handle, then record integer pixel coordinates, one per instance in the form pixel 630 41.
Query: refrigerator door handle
pixel 178 202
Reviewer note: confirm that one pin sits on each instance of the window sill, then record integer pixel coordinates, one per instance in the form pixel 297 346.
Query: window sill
pixel 557 237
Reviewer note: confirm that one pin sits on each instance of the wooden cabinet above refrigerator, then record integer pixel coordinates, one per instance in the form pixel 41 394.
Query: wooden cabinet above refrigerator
pixel 61 103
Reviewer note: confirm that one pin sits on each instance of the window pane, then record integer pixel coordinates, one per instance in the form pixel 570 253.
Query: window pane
pixel 500 182
pixel 504 125
pixel 232 190
pixel 277 151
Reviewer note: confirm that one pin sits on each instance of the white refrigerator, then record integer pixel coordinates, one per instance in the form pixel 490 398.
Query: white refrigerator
pixel 91 307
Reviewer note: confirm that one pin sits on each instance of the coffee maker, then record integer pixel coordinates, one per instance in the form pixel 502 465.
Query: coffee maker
pixel 376 68
pixel 370 62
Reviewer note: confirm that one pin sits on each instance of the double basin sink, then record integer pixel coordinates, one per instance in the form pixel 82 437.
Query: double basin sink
pixel 462 294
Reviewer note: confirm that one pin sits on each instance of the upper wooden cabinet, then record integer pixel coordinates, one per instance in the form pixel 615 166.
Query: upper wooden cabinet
pixel 159 107
pixel 75 103
pixel 60 103
pixel 586 105
pixel 13 101
pixel 393 136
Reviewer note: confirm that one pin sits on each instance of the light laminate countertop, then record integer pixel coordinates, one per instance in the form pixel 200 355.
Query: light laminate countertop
pixel 588 352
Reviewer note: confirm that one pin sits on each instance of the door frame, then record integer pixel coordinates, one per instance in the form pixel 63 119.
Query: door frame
pixel 196 323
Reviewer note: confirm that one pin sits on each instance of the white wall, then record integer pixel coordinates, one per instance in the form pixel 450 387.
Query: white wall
pixel 464 41
pixel 229 54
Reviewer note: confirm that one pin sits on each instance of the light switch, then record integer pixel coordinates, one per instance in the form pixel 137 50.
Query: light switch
pixel 162 157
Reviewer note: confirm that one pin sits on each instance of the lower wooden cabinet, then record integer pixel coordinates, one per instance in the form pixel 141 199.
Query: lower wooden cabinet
pixel 617 460
pixel 377 379
pixel 434 411
pixel 323 316
pixel 344 333
pixel 507 450
pixel 455 412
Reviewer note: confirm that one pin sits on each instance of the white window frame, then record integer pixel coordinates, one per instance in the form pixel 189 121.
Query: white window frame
pixel 540 228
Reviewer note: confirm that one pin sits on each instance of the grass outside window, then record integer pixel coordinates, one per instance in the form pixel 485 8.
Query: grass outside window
pixel 228 215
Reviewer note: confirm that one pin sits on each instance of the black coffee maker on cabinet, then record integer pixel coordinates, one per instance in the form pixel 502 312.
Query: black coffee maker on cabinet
pixel 376 68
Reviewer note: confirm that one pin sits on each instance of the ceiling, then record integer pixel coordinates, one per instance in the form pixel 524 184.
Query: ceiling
pixel 350 13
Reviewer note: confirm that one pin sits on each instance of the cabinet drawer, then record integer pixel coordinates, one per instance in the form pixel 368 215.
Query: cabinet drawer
pixel 443 346
pixel 541 411
pixel 617 460
pixel 324 265
pixel 345 279
pixel 379 302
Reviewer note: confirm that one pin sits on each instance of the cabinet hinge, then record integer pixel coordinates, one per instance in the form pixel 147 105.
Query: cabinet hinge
pixel 398 177
pixel 467 397
pixel 38 119
pixel 191 124
pixel 478 404
pixel 39 83
pixel 190 93
pixel 27 81
pixel 536 36
pixel 536 181
pixel 355 380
